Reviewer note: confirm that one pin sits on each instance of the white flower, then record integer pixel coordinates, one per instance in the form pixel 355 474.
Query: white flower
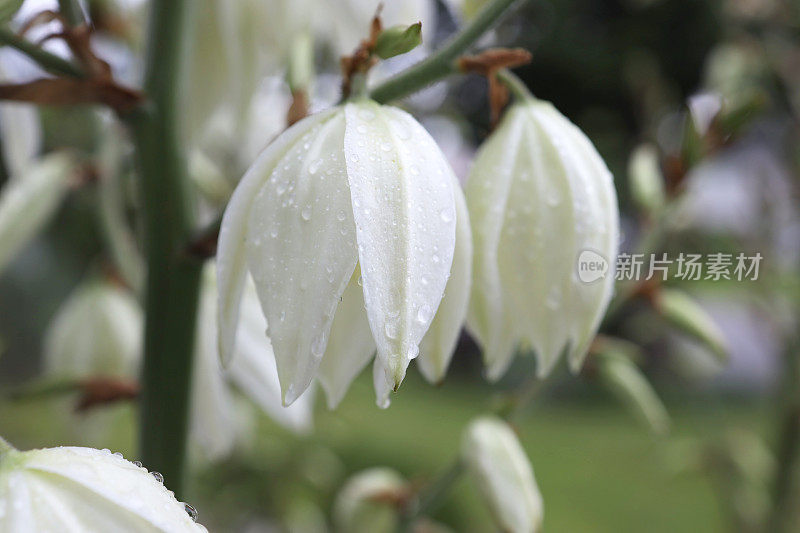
pixel 361 506
pixel 539 195
pixel 503 474
pixel 86 490
pixel 360 184
pixel 216 418
pixel 28 202
pixel 97 331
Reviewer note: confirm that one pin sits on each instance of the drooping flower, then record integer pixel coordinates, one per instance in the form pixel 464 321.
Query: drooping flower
pixel 362 506
pixel 96 332
pixel 499 466
pixel 360 185
pixel 541 201
pixel 83 489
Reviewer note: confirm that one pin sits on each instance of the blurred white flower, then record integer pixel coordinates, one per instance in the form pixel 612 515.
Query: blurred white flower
pixel 504 475
pixel 539 195
pixel 87 490
pixel 217 420
pixel 96 332
pixel 361 506
pixel 360 184
pixel 28 202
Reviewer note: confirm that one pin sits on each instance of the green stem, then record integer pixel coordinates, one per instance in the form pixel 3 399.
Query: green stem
pixel 430 497
pixel 50 62
pixel 515 85
pixel 784 488
pixel 441 63
pixel 173 278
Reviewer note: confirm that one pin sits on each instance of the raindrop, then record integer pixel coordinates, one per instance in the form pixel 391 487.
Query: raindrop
pixel 391 330
pixel 318 346
pixel 273 232
pixel 159 477
pixel 191 511
pixel 137 463
pixel 314 166
pixel 362 128
pixel 306 213
pixel 280 188
pixel 341 215
pixel 424 313
pixel 447 215
pixel 386 147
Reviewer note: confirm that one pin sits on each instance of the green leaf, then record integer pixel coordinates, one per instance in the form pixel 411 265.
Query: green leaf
pixel 398 40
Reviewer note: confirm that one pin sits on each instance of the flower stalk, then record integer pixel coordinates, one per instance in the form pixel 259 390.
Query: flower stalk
pixel 442 63
pixel 173 277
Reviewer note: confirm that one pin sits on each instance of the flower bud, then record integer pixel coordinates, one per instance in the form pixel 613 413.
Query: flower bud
pixel 686 315
pixel 360 184
pixel 364 505
pixel 503 474
pixel 623 378
pixel 398 40
pixel 27 203
pixel 83 489
pixel 646 180
pixel 541 200
pixel 20 129
pixel 97 331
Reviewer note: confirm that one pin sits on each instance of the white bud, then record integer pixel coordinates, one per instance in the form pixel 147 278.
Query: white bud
pixel 503 474
pixel 539 197
pixel 363 505
pixel 83 489
pixel 28 202
pixel 20 131
pixel 360 184
pixel 97 331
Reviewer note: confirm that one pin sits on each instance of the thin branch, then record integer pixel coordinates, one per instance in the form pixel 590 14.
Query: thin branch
pixel 49 62
pixel 441 63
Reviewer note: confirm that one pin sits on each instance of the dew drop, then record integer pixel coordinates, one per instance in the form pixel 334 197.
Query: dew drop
pixel 191 511
pixel 386 147
pixel 446 215
pixel 424 313
pixel 318 345
pixel 137 463
pixel 273 232
pixel 341 215
pixel 362 128
pixel 314 166
pixel 306 213
pixel 159 477
pixel 391 330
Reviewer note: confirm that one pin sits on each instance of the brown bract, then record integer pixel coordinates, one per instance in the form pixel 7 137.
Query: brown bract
pixel 487 64
pixel 96 86
pixel 362 58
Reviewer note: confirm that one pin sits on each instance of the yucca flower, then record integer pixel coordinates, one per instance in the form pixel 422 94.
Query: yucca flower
pixel 360 186
pixel 87 490
pixel 541 201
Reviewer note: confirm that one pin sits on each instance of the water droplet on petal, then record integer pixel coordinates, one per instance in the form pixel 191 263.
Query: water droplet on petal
pixel 306 213
pixel 159 477
pixel 191 511
pixel 391 330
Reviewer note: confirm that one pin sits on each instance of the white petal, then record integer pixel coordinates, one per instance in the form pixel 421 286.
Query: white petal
pixel 350 347
pixel 253 370
pixel 301 251
pixel 487 193
pixel 213 420
pixel 231 256
pixel 440 341
pixel 21 134
pixel 28 203
pixel 82 490
pixel 402 191
pixel 597 228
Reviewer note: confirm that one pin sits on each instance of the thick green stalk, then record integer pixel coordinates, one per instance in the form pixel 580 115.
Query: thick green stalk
pixel 173 278
pixel 50 62
pixel 71 12
pixel 784 487
pixel 441 63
